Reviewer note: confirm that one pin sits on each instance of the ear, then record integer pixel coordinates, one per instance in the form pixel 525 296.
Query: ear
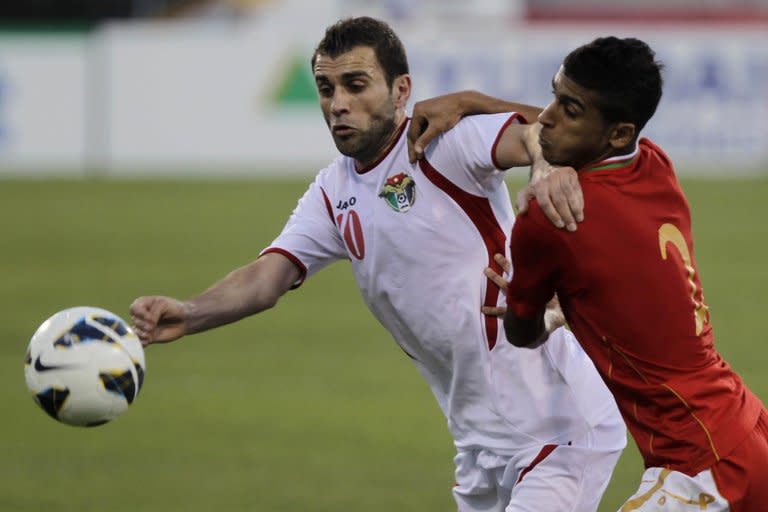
pixel 622 135
pixel 401 90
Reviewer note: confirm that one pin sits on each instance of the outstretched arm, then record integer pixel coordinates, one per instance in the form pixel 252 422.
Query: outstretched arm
pixel 245 291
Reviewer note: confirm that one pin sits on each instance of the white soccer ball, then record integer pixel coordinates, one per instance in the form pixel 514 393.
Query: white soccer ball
pixel 84 366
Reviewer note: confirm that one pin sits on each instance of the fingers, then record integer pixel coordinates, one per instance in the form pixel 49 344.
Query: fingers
pixel 576 200
pixel 417 126
pixel 145 316
pixel 423 141
pixel 522 199
pixel 553 319
pixel 496 279
pixel 550 199
pixel 504 262
pixel 560 197
pixel 493 310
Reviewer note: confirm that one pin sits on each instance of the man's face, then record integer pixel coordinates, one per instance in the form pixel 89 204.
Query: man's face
pixel 357 104
pixel 574 131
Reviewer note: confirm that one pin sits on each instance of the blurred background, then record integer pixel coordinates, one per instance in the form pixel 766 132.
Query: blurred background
pixel 177 87
pixel 151 146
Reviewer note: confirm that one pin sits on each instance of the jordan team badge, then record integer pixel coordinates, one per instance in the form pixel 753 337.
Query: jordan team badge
pixel 399 192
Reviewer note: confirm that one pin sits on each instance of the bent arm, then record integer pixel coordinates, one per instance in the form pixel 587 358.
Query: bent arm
pixel 437 115
pixel 518 146
pixel 243 292
pixel 525 332
pixel 474 102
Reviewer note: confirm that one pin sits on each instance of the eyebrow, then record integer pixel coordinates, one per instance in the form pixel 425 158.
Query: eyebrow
pixel 346 77
pixel 565 98
pixel 355 74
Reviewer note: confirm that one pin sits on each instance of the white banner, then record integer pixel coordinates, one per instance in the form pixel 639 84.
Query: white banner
pixel 714 110
pixel 213 100
pixel 200 101
pixel 42 104
pixel 239 99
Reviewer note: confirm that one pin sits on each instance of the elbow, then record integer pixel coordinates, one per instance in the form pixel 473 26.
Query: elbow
pixel 521 341
pixel 522 333
pixel 268 301
pixel 255 303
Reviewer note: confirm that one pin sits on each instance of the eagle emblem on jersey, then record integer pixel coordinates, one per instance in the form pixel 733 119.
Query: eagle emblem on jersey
pixel 399 192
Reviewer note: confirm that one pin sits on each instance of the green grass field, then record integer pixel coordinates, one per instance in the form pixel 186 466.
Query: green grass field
pixel 308 407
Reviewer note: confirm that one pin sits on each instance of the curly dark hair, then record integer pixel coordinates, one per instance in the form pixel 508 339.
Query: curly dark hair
pixel 348 33
pixel 624 72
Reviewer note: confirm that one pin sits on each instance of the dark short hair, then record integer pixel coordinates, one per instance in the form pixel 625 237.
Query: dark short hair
pixel 624 72
pixel 348 33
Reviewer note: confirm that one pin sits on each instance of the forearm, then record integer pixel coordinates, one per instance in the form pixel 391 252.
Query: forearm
pixel 243 292
pixel 474 102
pixel 539 166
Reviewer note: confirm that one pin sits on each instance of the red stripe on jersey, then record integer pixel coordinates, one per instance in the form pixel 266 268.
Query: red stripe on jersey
pixel 327 204
pixel 543 454
pixel 296 261
pixel 514 117
pixel 479 211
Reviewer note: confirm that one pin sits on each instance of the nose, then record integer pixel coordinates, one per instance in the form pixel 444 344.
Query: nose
pixel 546 117
pixel 339 102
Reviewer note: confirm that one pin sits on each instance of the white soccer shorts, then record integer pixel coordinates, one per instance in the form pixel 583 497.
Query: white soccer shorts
pixel 550 478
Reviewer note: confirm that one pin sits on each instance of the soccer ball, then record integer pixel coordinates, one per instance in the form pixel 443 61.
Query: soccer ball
pixel 84 366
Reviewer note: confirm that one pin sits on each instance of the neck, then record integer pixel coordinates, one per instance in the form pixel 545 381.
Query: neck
pixel 610 152
pixel 386 145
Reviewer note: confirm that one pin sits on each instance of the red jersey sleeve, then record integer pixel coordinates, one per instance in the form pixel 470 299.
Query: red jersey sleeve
pixel 533 247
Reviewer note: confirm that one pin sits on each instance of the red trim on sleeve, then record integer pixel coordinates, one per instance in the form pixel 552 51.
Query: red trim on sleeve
pixel 514 117
pixel 479 210
pixel 296 261
pixel 543 454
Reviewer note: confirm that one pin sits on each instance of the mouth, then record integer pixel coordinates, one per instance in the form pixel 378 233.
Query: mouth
pixel 544 143
pixel 342 130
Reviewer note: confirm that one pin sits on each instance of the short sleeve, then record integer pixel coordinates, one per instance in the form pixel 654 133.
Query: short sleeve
pixel 310 238
pixel 535 259
pixel 471 145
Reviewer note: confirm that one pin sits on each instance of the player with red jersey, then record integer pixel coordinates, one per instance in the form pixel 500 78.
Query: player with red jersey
pixel 629 287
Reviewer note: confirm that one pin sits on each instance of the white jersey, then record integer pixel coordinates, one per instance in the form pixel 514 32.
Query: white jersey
pixel 419 237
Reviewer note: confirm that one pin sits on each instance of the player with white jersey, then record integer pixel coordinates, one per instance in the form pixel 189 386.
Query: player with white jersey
pixel 535 430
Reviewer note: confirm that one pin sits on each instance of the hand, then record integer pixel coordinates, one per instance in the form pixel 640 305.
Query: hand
pixel 498 281
pixel 558 193
pixel 553 315
pixel 158 319
pixel 431 118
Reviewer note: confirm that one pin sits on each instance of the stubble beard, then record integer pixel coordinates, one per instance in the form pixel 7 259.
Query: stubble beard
pixel 366 147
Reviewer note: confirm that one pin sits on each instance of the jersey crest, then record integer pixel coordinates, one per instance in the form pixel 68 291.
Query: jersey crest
pixel 399 192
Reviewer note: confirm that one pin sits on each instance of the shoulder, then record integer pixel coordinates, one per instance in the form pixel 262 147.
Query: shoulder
pixel 489 126
pixel 338 170
pixel 653 153
pixel 481 128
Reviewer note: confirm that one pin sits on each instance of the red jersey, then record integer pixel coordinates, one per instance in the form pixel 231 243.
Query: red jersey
pixel 629 288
